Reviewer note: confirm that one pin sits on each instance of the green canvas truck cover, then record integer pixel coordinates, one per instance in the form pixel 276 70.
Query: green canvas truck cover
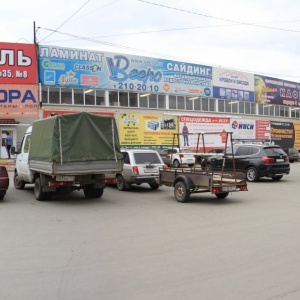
pixel 75 137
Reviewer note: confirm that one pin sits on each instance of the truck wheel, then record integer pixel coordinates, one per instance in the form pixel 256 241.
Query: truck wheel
pixel 222 195
pixel 19 184
pixel 98 193
pixel 39 195
pixel 181 193
pixel 121 183
pixel 176 163
pixel 154 186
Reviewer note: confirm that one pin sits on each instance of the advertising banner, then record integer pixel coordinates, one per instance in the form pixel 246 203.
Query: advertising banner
pixel 283 134
pixel 147 130
pixel 276 91
pixel 233 85
pixel 251 131
pixel 196 125
pixel 53 112
pixel 297 136
pixel 20 101
pixel 105 70
pixel 18 63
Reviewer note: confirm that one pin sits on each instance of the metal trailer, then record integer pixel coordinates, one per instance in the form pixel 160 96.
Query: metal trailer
pixel 199 180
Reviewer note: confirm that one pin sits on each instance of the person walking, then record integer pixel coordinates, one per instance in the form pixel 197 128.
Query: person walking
pixel 8 143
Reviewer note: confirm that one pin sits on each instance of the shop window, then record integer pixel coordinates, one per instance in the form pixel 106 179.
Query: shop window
pixel 180 103
pixel 153 101
pixel 161 101
pixel 123 99
pixel 66 96
pixel 197 104
pixel 78 96
pixel 204 104
pixel 189 103
pixel 89 97
pixel 247 108
pixel 133 99
pixel 221 105
pixel 54 95
pixel 100 98
pixel 143 100
pixel 172 102
pixel 113 98
pixel 45 94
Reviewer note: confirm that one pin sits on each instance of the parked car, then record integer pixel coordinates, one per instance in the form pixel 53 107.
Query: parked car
pixel 4 181
pixel 140 166
pixel 256 160
pixel 292 153
pixel 177 157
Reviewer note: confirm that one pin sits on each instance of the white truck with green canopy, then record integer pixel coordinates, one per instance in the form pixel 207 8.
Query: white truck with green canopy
pixel 68 152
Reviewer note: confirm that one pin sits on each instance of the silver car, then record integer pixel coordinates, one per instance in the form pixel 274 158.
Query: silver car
pixel 140 166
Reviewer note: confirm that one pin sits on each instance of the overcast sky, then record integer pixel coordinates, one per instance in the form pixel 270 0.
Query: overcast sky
pixel 255 36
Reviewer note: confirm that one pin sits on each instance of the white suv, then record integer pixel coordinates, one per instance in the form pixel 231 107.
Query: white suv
pixel 140 166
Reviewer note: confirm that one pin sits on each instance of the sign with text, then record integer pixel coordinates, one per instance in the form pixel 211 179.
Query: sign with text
pixel 147 130
pixel 104 70
pixel 19 101
pixel 18 63
pixel 233 85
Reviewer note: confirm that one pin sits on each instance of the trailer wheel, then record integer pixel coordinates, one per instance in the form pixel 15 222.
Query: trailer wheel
pixel 19 184
pixel 222 195
pixel 39 195
pixel 181 193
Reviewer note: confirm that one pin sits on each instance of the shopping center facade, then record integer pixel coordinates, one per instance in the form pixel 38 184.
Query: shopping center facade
pixel 151 98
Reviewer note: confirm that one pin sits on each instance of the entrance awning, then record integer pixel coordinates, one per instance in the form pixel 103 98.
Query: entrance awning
pixel 8 121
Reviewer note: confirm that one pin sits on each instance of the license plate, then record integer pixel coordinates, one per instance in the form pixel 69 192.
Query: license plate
pixel 150 170
pixel 279 159
pixel 65 178
pixel 228 188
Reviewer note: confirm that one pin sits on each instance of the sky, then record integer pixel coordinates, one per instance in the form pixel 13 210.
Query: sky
pixel 257 36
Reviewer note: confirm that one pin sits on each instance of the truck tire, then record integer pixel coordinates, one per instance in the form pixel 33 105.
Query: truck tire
pixel 19 184
pixel 181 193
pixel 39 194
pixel 121 183
pixel 222 195
pixel 99 192
pixel 91 192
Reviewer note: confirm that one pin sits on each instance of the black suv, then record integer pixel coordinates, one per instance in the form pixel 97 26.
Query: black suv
pixel 257 160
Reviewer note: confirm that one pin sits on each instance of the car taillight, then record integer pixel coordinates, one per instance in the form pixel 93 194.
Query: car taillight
pixel 267 159
pixel 135 170
pixel 3 172
pixel 181 155
pixel 286 159
pixel 165 168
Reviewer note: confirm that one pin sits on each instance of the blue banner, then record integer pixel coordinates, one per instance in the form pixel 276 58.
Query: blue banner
pixel 68 67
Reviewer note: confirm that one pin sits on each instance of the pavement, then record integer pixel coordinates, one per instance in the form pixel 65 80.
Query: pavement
pixel 8 163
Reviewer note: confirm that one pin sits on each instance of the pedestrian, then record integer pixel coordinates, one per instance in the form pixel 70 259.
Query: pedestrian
pixel 185 133
pixel 8 143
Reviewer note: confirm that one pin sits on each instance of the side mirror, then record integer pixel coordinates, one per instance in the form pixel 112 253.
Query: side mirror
pixel 13 151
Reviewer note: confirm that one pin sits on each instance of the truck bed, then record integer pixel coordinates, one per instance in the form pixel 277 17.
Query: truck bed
pixel 76 168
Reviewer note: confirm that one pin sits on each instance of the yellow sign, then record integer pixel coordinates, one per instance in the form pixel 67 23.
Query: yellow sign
pixel 147 130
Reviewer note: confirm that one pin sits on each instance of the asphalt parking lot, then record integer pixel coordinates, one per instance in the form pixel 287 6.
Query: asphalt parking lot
pixel 142 244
